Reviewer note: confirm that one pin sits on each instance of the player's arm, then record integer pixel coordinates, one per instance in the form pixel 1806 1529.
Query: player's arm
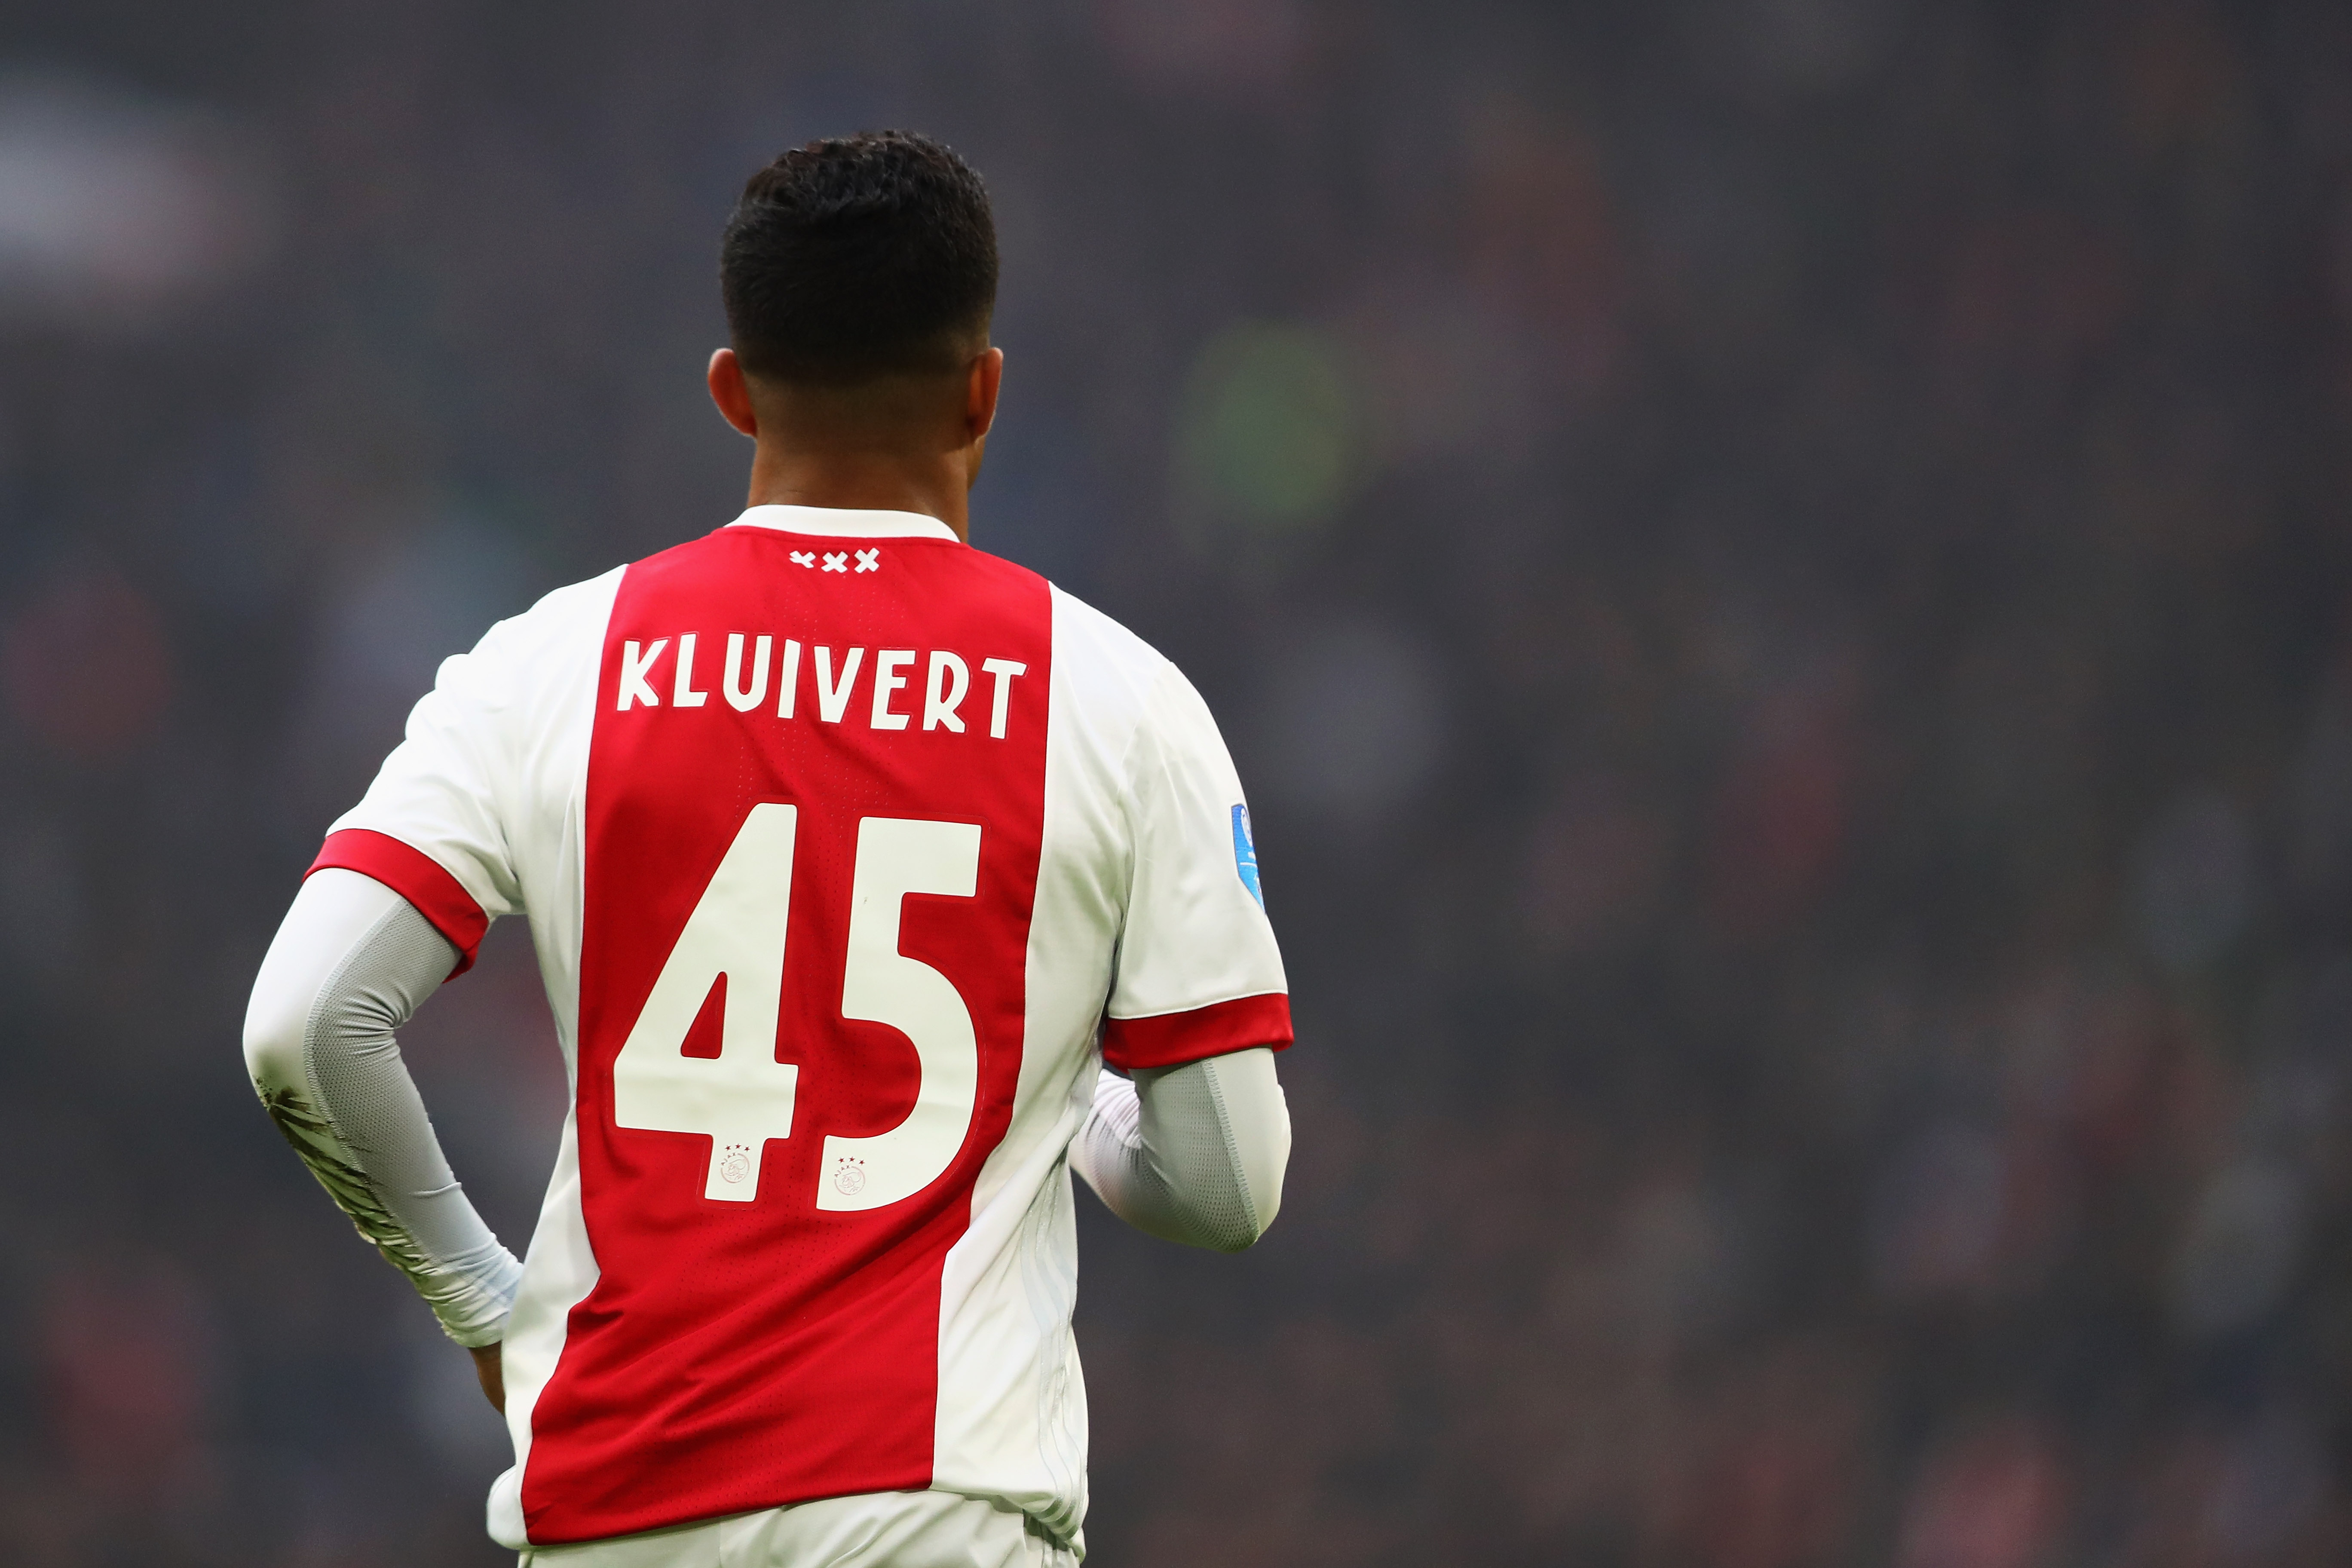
pixel 350 965
pixel 1191 1145
pixel 1193 1154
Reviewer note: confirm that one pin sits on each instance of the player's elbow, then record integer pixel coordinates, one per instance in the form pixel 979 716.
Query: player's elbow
pixel 1265 1202
pixel 1236 1238
pixel 1231 1221
pixel 1216 1220
pixel 273 1027
pixel 1208 1233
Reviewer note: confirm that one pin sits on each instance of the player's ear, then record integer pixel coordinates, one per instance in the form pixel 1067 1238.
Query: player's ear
pixel 732 393
pixel 986 376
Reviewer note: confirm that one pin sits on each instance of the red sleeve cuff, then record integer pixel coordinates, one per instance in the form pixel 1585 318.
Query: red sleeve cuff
pixel 1171 1039
pixel 416 876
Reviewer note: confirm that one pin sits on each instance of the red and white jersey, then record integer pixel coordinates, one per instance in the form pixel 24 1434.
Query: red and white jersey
pixel 845 848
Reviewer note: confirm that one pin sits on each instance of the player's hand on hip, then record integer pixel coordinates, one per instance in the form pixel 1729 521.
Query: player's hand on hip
pixel 492 1371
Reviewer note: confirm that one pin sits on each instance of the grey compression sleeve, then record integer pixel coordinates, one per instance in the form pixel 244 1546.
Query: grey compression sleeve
pixel 1193 1154
pixel 350 965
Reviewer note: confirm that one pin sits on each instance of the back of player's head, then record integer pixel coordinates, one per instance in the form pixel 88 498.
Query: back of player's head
pixel 856 257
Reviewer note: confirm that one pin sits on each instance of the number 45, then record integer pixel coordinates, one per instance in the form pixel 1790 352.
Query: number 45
pixel 744 1096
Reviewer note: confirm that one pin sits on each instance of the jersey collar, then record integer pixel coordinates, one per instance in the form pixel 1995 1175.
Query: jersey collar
pixel 844 522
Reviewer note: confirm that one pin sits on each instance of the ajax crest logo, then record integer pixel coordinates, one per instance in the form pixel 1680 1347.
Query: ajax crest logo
pixel 1245 854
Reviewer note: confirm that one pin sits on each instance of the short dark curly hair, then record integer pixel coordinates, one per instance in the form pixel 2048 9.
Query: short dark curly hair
pixel 860 256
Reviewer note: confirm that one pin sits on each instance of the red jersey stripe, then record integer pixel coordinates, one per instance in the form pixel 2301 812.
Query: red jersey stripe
pixel 776 712
pixel 416 875
pixel 1171 1039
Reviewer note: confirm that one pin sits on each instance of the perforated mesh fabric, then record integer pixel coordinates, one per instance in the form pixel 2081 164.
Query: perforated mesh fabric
pixel 1190 1142
pixel 352 1054
pixel 369 1139
pixel 1161 1151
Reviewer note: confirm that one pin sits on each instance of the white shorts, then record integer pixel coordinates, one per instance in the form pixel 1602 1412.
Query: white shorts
pixel 875 1529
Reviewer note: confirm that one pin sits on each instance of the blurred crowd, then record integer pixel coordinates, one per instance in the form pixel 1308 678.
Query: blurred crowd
pixel 1777 570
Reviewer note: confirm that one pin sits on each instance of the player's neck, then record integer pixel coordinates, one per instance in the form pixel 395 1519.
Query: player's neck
pixel 934 485
pixel 903 441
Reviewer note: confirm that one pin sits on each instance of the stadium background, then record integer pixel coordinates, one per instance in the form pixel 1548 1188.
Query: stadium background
pixel 1776 568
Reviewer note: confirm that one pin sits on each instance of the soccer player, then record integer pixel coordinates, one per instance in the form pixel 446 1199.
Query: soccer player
pixel 850 853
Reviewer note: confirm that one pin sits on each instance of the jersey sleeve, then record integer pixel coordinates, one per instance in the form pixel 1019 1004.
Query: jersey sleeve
pixel 431 826
pixel 1198 974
